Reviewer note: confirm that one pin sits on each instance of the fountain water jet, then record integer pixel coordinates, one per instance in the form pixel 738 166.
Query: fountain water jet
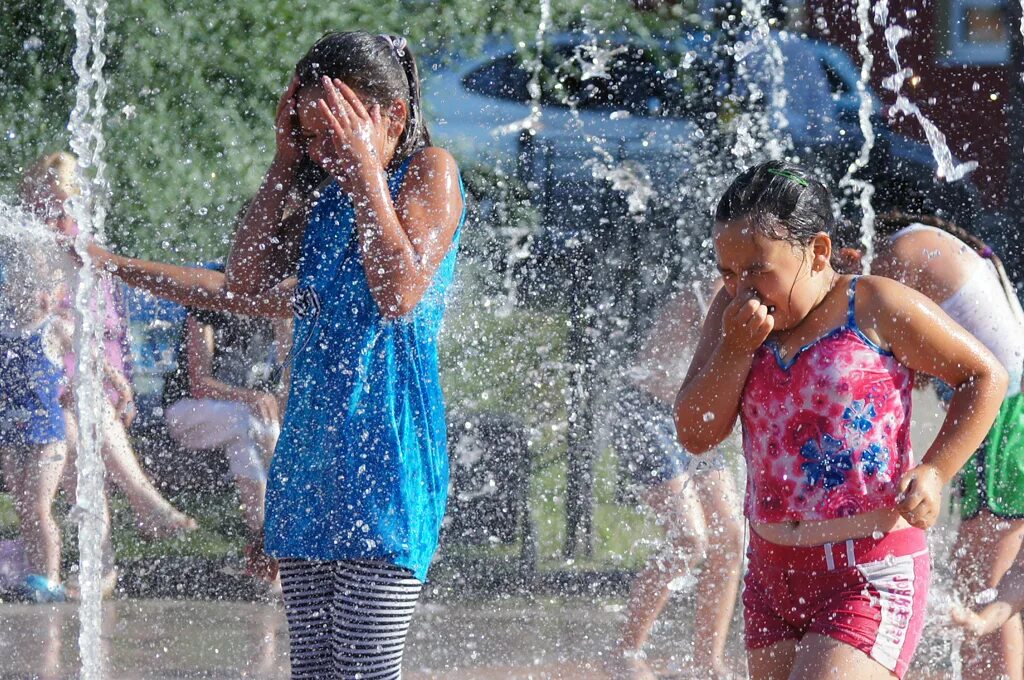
pixel 865 189
pixel 87 141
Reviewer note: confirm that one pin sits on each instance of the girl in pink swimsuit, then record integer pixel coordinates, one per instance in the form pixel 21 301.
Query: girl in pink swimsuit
pixel 818 367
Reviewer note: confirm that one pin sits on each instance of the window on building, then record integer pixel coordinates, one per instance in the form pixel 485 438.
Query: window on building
pixel 978 31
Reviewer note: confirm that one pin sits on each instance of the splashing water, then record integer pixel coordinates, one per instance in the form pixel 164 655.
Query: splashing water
pixel 762 38
pixel 87 141
pixel 948 169
pixel 595 61
pixel 531 122
pixel 760 132
pixel 865 190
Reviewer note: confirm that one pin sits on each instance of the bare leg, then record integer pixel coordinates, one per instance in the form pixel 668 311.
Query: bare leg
pixel 70 486
pixel 34 487
pixel 989 545
pixel 677 508
pixel 156 515
pixel 772 663
pixel 720 578
pixel 252 492
pixel 822 658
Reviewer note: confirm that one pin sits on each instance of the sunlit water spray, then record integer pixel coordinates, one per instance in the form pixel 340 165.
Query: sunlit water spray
pixel 87 141
pixel 948 168
pixel 760 125
pixel 865 190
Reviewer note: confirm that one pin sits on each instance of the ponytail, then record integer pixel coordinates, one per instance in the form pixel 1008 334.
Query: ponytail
pixel 416 135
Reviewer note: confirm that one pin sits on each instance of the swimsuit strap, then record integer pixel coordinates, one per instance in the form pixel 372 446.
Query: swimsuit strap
pixel 851 312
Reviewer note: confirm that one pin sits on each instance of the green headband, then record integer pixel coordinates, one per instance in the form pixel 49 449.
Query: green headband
pixel 788 175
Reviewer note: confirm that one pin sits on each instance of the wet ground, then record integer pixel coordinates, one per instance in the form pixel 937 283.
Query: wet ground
pixel 516 638
pixel 161 639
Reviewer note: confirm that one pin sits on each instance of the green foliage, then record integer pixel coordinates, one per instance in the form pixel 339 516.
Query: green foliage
pixel 193 86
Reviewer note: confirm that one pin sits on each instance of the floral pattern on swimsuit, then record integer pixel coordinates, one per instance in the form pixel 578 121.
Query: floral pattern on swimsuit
pixel 826 434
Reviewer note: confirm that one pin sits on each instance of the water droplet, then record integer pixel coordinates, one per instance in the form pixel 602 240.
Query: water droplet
pixel 684 582
pixel 708 417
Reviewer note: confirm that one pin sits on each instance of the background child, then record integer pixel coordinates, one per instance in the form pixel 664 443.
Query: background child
pixel 45 190
pixel 966 279
pixel 32 433
pixel 819 367
pixel 693 500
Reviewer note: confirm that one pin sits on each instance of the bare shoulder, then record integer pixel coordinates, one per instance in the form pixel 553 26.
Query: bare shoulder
pixel 886 306
pixel 432 163
pixel 880 293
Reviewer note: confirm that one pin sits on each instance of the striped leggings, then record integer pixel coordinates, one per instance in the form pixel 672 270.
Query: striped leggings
pixel 347 620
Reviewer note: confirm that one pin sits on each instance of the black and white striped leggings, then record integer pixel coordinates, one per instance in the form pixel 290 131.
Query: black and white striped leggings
pixel 347 620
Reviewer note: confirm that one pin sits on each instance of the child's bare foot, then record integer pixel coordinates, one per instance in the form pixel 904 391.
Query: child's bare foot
pixel 629 664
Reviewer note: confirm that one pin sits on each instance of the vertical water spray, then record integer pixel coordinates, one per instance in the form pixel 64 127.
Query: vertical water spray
pixel 87 141
pixel 760 134
pixel 864 189
pixel 948 168
pixel 534 87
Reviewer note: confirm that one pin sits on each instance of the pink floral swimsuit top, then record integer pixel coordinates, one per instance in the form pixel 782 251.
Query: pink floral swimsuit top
pixel 826 434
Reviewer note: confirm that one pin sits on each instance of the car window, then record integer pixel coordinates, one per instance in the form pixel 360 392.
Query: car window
pixel 619 78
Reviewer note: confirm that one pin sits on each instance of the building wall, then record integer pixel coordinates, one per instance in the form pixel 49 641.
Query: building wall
pixel 965 100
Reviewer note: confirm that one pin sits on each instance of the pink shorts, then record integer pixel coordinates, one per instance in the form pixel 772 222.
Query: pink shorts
pixel 867 593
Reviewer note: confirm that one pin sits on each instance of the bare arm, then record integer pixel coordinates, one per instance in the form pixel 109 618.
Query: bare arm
pixel 195 286
pixel 263 248
pixel 404 242
pixel 199 344
pixel 925 339
pixel 709 401
pixel 922 337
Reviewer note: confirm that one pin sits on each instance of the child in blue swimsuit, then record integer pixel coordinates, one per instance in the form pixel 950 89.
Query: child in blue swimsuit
pixel 32 437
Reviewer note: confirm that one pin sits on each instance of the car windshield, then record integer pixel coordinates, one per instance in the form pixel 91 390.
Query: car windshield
pixel 639 80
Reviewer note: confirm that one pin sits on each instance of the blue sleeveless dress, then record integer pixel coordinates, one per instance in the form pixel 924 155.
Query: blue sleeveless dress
pixel 361 468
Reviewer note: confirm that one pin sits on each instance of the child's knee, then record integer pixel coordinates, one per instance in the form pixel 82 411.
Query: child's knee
pixel 683 551
pixel 726 537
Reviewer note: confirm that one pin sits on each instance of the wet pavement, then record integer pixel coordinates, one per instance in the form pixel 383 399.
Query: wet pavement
pixel 513 638
pixel 164 639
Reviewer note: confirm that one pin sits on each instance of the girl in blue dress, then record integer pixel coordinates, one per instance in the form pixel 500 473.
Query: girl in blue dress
pixel 359 480
pixel 354 230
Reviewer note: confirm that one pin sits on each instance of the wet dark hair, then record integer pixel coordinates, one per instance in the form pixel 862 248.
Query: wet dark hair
pixel 782 201
pixel 381 68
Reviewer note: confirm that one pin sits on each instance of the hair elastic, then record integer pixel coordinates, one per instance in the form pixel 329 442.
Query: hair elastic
pixel 788 175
